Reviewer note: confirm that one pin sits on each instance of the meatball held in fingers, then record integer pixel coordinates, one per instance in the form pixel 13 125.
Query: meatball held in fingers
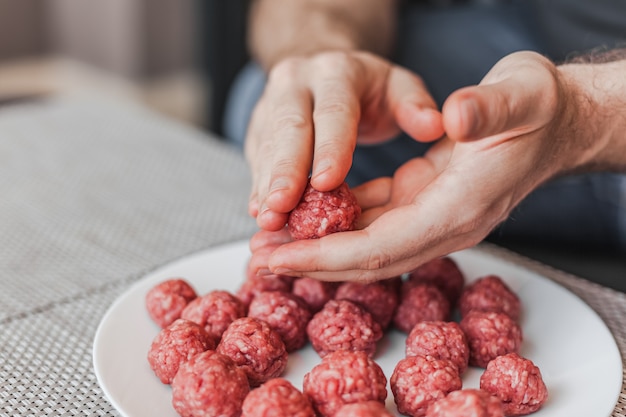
pixel 321 213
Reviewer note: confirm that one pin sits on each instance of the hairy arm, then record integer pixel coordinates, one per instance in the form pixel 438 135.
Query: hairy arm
pixel 280 28
pixel 598 83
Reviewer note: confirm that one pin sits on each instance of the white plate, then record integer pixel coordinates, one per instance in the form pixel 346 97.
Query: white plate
pixel 572 346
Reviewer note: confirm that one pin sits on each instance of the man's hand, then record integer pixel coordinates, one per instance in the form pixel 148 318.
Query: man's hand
pixel 527 122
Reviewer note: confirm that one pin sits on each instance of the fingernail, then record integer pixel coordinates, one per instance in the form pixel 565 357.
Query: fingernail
pixel 263 272
pixel 263 209
pixel 282 271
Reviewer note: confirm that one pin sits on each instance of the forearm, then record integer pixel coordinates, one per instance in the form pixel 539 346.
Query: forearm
pixel 598 91
pixel 280 28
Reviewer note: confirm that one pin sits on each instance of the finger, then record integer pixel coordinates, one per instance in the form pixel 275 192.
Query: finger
pixel 291 130
pixel 369 215
pixel 258 263
pixel 252 153
pixel 373 193
pixel 259 155
pixel 267 238
pixel 336 113
pixel 517 104
pixel 414 108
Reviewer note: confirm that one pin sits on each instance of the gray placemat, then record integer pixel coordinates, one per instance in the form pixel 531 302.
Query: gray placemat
pixel 96 194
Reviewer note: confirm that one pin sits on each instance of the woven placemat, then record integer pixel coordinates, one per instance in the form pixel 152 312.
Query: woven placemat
pixel 94 196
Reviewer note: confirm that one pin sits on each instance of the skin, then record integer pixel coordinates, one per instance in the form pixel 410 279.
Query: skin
pixel 528 121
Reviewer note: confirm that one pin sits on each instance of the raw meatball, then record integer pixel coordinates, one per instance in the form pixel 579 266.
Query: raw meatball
pixel 344 377
pixel 467 403
pixel 166 301
pixel 214 311
pixel 420 302
pixel 441 340
pixel 209 384
pixel 378 298
pixel 419 381
pixel 517 382
pixel 343 325
pixel 364 409
pixel 322 213
pixel 286 313
pixel 489 335
pixel 444 273
pixel 255 284
pixel 277 398
pixel 314 292
pixel 490 293
pixel 176 344
pixel 256 348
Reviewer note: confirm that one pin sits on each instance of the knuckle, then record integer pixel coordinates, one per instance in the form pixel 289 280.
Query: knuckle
pixel 286 69
pixel 289 121
pixel 332 63
pixel 332 59
pixel 284 165
pixel 332 107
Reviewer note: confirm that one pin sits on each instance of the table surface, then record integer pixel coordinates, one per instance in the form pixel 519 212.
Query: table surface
pixel 95 194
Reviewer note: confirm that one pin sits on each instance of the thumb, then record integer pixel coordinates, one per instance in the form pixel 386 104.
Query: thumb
pixel 522 101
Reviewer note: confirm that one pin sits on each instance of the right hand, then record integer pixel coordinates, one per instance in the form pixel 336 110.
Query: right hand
pixel 310 116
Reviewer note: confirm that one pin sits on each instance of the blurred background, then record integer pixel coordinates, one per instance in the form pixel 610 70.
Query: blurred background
pixel 174 56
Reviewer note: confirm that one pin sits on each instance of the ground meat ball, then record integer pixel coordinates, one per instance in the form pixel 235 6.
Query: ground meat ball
pixel 517 382
pixel 255 284
pixel 322 213
pixel 176 344
pixel 420 302
pixel 379 299
pixel 286 313
pixel 419 381
pixel 166 301
pixel 314 292
pixel 444 273
pixel 214 311
pixel 441 340
pixel 256 348
pixel 467 403
pixel 489 335
pixel 364 409
pixel 490 293
pixel 343 325
pixel 344 377
pixel 209 384
pixel 277 398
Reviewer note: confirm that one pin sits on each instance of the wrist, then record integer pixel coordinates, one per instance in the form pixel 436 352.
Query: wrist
pixel 281 29
pixel 595 115
pixel 327 43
